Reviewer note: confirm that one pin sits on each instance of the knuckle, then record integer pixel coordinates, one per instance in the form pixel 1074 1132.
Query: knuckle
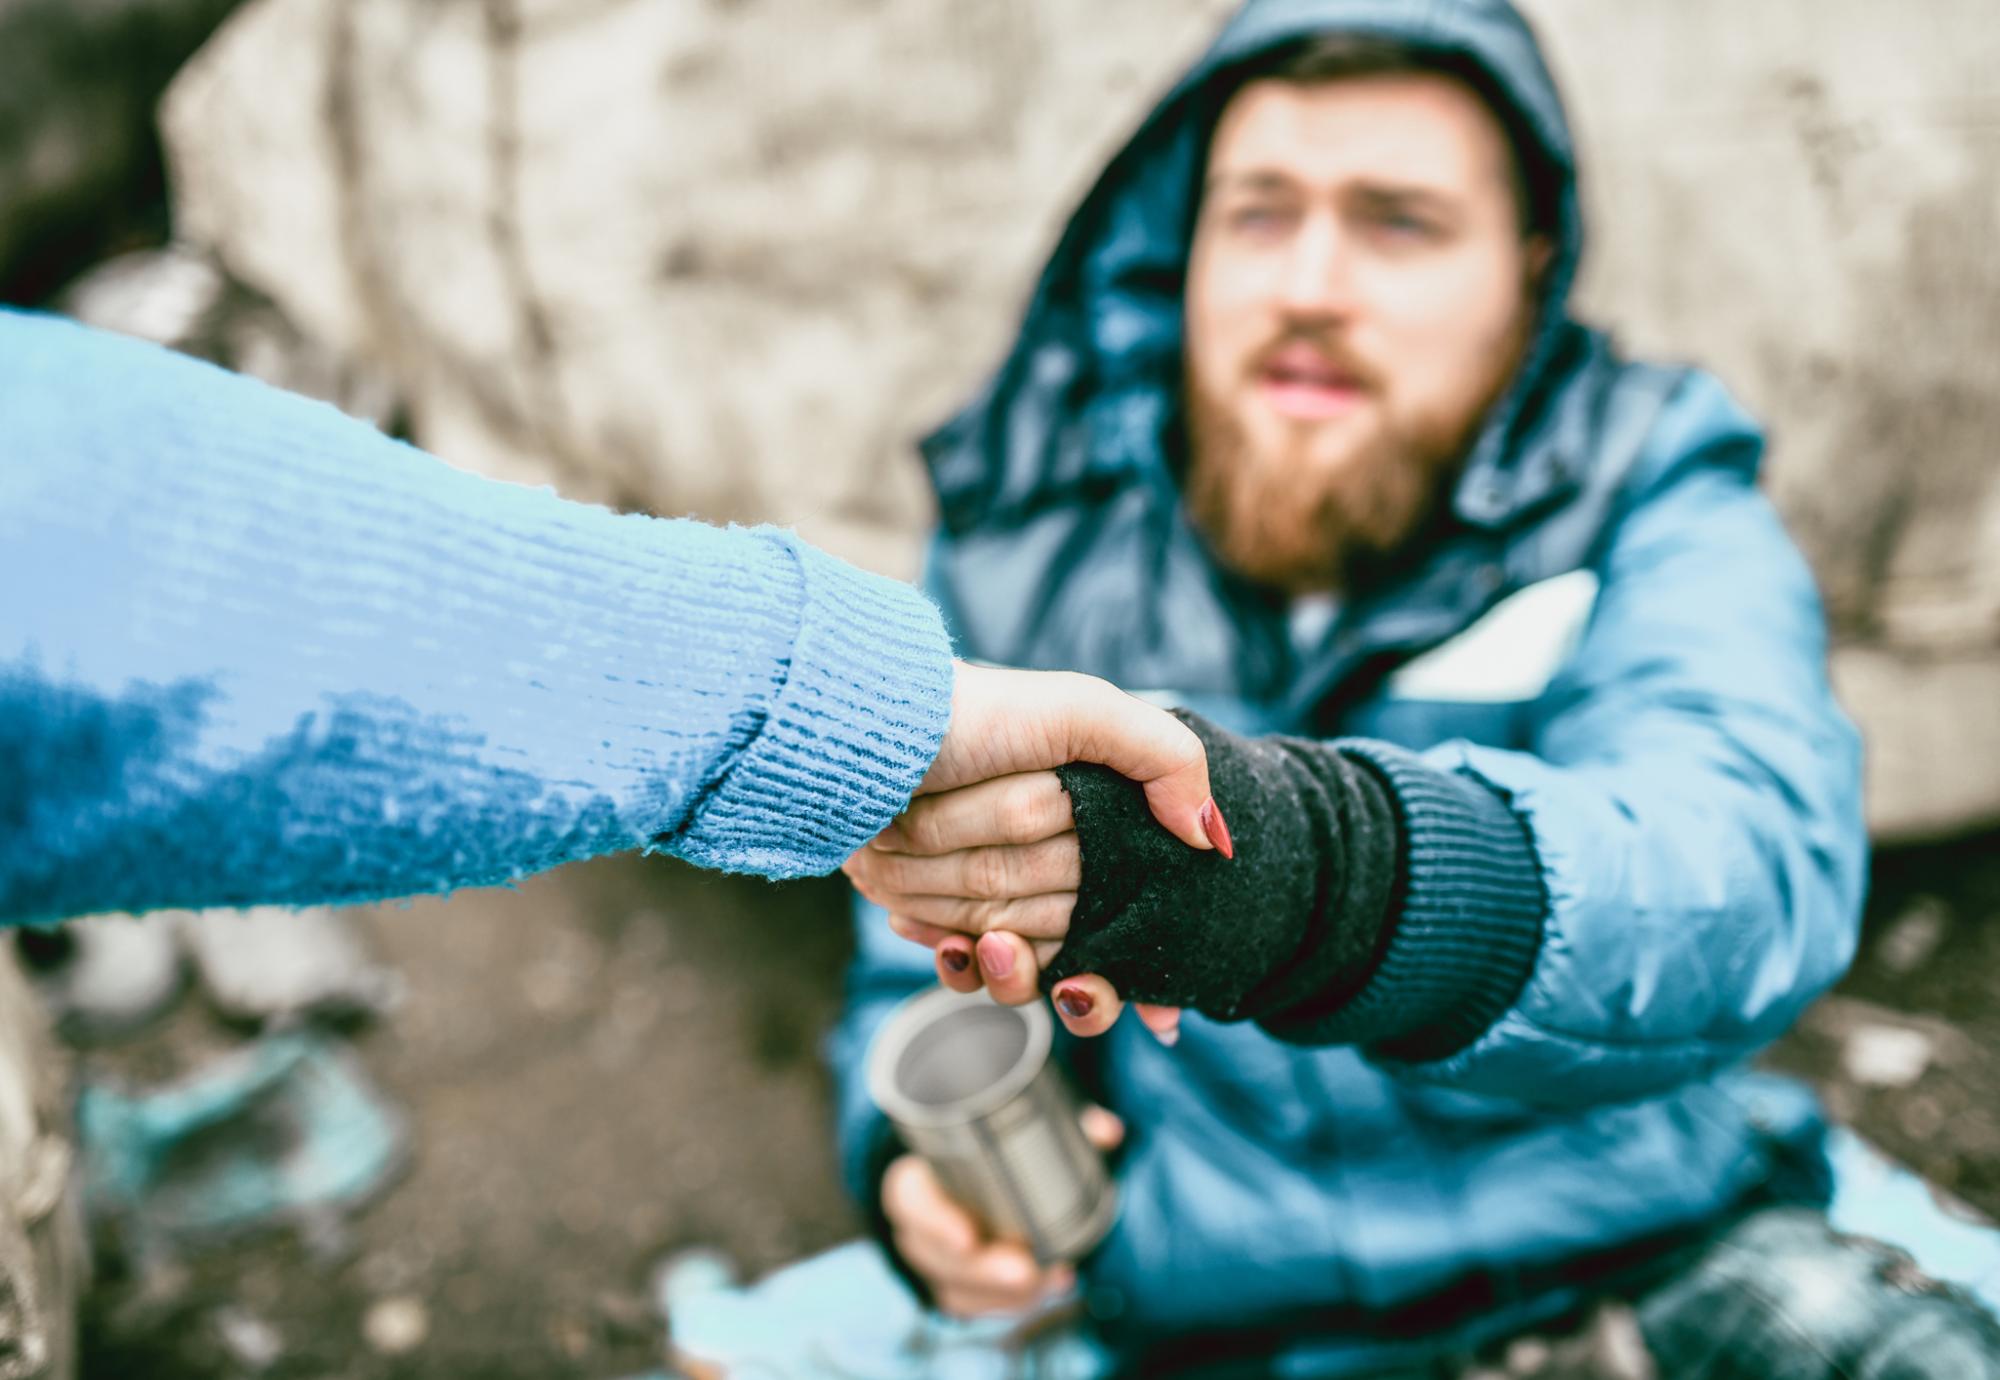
pixel 919 826
pixel 1023 816
pixel 1040 916
pixel 871 875
pixel 986 873
pixel 966 914
pixel 1058 863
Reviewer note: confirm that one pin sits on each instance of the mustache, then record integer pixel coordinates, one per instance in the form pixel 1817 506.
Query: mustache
pixel 1325 343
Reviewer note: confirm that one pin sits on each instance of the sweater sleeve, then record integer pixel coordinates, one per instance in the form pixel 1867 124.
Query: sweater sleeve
pixel 253 652
pixel 1373 900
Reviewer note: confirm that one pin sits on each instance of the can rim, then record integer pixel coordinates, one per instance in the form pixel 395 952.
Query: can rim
pixel 911 1018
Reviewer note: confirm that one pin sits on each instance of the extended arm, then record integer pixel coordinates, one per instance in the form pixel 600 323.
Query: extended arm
pixel 253 652
pixel 1654 887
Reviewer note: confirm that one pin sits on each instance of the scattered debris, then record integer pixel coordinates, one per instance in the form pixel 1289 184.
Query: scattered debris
pixel 1913 938
pixel 250 1341
pixel 396 1326
pixel 108 976
pixel 1886 1056
pixel 104 976
pixel 273 965
pixel 286 1130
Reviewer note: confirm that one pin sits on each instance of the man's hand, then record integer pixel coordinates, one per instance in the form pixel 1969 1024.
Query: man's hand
pixel 970 1274
pixel 986 876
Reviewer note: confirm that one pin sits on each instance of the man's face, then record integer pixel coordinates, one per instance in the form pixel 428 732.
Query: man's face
pixel 1357 296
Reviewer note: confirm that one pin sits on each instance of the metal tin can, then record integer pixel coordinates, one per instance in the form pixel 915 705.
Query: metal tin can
pixel 970 1086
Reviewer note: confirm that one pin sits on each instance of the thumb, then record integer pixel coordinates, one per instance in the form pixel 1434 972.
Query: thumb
pixel 1103 1127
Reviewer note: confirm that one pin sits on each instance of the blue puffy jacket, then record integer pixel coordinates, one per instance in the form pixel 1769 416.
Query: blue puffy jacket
pixel 1615 636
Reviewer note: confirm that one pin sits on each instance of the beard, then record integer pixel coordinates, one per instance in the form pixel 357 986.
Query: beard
pixel 1312 513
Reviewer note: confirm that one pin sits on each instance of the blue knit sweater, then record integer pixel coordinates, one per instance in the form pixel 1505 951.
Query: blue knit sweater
pixel 253 652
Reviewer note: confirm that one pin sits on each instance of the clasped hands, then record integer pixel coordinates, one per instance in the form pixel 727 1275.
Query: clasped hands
pixel 983 866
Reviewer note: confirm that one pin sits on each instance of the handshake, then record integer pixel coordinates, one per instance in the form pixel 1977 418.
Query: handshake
pixel 984 866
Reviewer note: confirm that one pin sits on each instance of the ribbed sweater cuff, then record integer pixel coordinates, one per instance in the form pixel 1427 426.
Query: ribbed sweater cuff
pixel 1468 916
pixel 856 725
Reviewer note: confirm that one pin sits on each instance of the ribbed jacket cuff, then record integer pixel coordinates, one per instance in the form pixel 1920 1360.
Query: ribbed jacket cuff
pixel 860 717
pixel 1468 916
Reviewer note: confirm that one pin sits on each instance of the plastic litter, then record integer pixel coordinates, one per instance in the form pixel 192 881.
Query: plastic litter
pixel 288 1129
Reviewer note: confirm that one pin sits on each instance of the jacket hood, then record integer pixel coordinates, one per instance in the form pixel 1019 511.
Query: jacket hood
pixel 1085 401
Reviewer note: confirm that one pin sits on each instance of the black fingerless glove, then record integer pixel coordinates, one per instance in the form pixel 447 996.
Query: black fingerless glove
pixel 1373 899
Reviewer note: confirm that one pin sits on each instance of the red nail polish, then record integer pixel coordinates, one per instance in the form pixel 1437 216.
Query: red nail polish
pixel 1217 829
pixel 1074 1002
pixel 955 958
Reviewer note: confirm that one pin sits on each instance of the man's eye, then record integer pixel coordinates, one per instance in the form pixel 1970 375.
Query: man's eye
pixel 1257 219
pixel 1403 225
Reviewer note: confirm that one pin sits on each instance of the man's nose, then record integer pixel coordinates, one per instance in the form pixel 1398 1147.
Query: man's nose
pixel 1317 278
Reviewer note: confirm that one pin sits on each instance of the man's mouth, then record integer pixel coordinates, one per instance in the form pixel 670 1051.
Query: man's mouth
pixel 1300 383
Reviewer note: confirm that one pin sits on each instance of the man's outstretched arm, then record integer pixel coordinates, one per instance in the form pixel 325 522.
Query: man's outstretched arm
pixel 1657 885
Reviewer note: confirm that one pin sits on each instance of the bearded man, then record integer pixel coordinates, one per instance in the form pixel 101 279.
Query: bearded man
pixel 1563 824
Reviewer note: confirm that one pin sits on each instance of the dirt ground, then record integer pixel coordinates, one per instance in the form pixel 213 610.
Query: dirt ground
pixel 619 1060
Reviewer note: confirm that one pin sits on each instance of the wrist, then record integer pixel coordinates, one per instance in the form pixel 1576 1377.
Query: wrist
pixel 1285 926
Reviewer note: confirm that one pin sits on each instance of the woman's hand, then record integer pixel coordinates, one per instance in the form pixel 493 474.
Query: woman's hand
pixel 994 836
pixel 983 866
pixel 1004 722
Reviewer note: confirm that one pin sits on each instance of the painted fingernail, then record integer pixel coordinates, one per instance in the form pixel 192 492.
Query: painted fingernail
pixel 1217 830
pixel 997 957
pixel 1074 1002
pixel 955 957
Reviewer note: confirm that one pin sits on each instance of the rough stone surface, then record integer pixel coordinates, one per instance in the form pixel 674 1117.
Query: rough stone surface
pixel 721 259
pixel 1805 195
pixel 41 1256
pixel 728 258
pixel 179 296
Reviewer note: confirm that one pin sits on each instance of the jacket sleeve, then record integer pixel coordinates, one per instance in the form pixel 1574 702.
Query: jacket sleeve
pixel 1691 795
pixel 253 652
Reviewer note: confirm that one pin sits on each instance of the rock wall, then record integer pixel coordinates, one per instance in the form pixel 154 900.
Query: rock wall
pixel 717 258
pixel 728 257
pixel 1805 195
pixel 42 1261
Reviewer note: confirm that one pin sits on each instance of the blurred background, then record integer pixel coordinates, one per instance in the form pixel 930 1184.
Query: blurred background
pixel 727 258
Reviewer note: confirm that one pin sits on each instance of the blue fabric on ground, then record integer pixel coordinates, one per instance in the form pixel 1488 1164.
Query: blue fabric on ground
pixel 287 1127
pixel 1873 1196
pixel 844 1313
pixel 251 651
